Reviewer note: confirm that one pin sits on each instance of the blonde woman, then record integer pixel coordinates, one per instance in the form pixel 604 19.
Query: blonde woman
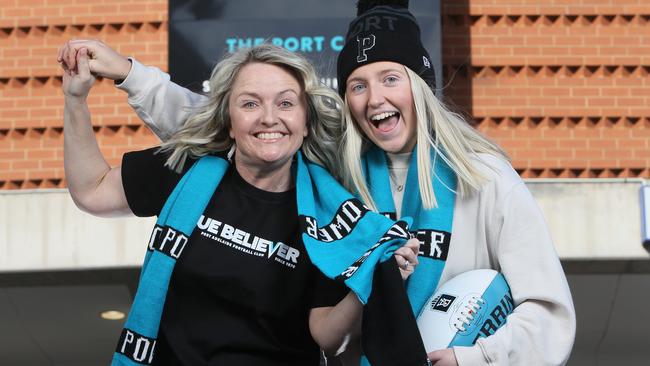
pixel 236 286
pixel 457 185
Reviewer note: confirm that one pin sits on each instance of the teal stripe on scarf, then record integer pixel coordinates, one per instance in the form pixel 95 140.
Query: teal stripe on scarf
pixel 180 212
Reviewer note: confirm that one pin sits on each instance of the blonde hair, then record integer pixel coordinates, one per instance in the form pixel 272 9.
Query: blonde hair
pixel 446 132
pixel 207 128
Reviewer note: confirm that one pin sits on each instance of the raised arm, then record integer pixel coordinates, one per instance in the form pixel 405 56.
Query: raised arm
pixel 161 104
pixel 94 186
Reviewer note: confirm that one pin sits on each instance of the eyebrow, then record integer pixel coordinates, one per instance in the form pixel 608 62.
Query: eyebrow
pixel 351 80
pixel 382 72
pixel 385 71
pixel 256 95
pixel 290 90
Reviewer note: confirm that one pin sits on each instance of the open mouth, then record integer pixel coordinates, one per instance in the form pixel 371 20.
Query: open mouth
pixel 385 121
pixel 269 136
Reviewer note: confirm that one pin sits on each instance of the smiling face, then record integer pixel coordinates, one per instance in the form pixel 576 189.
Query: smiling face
pixel 268 116
pixel 380 100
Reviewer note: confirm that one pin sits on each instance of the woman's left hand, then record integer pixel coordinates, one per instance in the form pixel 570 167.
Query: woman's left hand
pixel 407 257
pixel 443 357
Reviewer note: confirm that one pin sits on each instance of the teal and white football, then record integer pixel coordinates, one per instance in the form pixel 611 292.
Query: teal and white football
pixel 469 306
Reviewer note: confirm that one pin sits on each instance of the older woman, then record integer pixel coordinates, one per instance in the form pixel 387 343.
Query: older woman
pixel 239 288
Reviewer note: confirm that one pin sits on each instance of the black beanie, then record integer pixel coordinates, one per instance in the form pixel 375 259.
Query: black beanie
pixel 383 31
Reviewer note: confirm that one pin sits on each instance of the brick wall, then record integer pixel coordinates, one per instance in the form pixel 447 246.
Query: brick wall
pixel 31 101
pixel 564 87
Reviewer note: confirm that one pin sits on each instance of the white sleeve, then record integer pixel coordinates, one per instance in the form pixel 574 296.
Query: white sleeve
pixel 161 104
pixel 541 330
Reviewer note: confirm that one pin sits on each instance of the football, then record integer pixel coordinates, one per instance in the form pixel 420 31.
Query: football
pixel 472 305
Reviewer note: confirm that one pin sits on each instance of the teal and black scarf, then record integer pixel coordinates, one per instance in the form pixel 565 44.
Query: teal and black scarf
pixel 385 322
pixel 432 227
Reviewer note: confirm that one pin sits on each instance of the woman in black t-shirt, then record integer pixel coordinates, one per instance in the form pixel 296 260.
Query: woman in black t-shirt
pixel 244 292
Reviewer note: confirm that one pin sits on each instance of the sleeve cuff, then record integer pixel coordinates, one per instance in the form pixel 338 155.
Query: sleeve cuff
pixel 121 83
pixel 469 356
pixel 137 80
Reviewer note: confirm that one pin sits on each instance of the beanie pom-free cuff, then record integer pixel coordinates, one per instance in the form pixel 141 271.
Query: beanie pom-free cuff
pixel 365 5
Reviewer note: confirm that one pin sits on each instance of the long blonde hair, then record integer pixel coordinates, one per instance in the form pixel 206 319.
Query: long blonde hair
pixel 207 128
pixel 438 128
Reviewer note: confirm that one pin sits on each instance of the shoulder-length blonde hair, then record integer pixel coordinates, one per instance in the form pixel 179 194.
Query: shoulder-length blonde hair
pixel 207 129
pixel 447 133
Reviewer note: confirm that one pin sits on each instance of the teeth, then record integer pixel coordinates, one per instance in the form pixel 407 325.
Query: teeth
pixel 380 116
pixel 268 135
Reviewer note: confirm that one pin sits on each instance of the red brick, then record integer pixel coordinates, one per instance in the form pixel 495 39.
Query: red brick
pixel 609 93
pixel 26 165
pixel 42 154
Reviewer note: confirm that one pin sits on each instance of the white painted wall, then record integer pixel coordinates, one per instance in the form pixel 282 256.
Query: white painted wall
pixel 592 218
pixel 43 229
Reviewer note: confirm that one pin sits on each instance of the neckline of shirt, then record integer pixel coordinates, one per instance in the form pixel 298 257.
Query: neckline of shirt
pixel 251 190
pixel 400 161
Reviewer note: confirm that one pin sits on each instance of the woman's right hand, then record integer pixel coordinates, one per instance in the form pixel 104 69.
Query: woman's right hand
pixel 78 81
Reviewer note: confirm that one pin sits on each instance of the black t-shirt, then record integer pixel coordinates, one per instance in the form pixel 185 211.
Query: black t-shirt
pixel 241 292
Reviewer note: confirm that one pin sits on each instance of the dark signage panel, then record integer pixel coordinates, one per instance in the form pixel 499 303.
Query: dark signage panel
pixel 201 32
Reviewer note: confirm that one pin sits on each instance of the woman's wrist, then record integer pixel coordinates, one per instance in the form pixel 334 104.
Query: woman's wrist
pixel 124 70
pixel 72 100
